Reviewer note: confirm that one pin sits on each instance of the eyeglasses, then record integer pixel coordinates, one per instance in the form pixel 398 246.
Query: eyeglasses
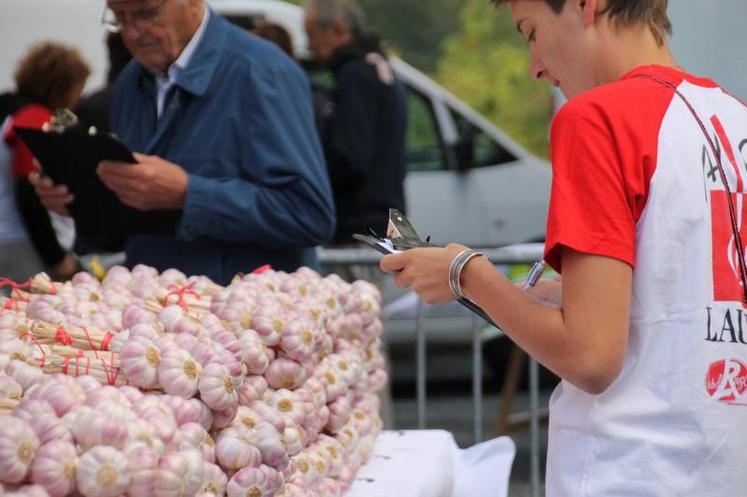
pixel 140 19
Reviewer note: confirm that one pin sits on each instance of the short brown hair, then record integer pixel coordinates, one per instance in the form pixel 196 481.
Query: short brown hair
pixel 629 12
pixel 49 72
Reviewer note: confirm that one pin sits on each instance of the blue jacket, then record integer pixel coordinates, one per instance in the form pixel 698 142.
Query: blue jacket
pixel 241 124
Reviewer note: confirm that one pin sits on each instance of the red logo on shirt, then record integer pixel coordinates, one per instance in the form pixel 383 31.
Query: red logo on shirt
pixel 727 283
pixel 727 381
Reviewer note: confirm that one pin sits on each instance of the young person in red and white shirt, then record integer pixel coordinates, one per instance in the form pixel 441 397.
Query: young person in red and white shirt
pixel 648 326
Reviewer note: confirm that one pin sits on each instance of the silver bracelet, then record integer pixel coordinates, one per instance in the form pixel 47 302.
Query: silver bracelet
pixel 455 270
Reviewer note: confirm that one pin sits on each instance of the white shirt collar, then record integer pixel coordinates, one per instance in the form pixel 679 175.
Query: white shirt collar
pixel 164 81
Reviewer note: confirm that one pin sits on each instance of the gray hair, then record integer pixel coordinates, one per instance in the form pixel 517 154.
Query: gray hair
pixel 331 11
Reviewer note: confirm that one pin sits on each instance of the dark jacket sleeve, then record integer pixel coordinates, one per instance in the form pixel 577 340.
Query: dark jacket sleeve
pixel 38 224
pixel 350 133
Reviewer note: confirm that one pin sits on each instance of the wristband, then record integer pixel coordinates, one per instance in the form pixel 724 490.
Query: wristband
pixel 455 270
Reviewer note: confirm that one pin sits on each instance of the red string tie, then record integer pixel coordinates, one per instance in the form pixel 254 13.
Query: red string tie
pixel 16 286
pixel 106 341
pixel 262 269
pixel 180 292
pixel 61 336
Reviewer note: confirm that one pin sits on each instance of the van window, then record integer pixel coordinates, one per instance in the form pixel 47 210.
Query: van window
pixel 475 148
pixel 424 144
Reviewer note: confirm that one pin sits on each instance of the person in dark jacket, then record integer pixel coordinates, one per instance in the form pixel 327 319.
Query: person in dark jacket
pixel 363 135
pixel 93 109
pixel 224 126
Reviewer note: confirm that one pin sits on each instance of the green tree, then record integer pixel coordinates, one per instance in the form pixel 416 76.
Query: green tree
pixel 487 64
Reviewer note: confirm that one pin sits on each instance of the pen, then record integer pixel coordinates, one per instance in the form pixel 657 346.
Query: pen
pixel 534 274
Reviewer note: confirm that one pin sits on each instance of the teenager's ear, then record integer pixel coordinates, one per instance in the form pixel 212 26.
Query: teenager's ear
pixel 588 9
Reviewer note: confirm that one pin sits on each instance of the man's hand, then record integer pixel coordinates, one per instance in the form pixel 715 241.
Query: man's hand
pixel 53 197
pixel 152 183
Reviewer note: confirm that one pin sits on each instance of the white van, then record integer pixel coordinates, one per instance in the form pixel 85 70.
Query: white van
pixel 467 180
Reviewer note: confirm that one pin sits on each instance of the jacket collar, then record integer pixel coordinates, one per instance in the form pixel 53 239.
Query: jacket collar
pixel 196 76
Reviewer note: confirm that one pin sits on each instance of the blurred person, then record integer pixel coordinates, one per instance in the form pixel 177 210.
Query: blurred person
pixel 363 135
pixel 50 76
pixel 646 326
pixel 225 127
pixel 276 34
pixel 93 109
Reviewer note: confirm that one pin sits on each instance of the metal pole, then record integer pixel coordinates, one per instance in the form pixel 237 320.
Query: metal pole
pixel 420 363
pixel 477 376
pixel 534 463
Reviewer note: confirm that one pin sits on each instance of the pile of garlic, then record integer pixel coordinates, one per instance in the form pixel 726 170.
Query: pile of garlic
pixel 150 384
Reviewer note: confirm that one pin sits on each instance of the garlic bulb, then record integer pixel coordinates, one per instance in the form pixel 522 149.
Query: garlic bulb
pixel 339 414
pixel 194 435
pixel 177 475
pixel 253 388
pixel 234 449
pixel 305 473
pixel 247 417
pixel 139 359
pixel 253 352
pixel 18 446
pixel 54 467
pixel 62 392
pixel 290 406
pixel 29 409
pixel 27 491
pixel 102 472
pixel 254 482
pixel 179 373
pixel 95 428
pixel 267 439
pixel 269 322
pixel 213 480
pixel 143 468
pixel 299 340
pixel 10 389
pixel 330 488
pixel 49 427
pixel 217 387
pixel 139 431
pixel 221 419
pixel 285 373
pixel 292 440
pixel 24 374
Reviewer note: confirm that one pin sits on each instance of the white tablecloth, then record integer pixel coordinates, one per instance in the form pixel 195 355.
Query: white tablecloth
pixel 428 463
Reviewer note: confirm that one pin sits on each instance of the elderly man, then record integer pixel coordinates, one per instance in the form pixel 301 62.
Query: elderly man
pixel 364 133
pixel 226 128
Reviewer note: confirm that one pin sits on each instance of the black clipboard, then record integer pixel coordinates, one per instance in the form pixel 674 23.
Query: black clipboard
pixel 70 158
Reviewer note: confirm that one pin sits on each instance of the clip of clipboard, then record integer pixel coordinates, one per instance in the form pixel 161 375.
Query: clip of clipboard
pixel 401 235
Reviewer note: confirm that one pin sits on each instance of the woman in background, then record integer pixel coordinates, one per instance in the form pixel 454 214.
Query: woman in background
pixel 50 76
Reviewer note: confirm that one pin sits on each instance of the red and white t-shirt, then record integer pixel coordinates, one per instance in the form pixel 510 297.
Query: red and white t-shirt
pixel 634 179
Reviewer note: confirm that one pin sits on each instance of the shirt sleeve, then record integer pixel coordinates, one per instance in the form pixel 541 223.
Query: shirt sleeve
pixel 282 198
pixel 31 116
pixel 591 208
pixel 349 144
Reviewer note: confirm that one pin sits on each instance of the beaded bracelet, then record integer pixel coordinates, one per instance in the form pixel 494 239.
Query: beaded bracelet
pixel 455 270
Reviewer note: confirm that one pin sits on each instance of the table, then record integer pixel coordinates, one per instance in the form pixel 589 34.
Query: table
pixel 428 463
